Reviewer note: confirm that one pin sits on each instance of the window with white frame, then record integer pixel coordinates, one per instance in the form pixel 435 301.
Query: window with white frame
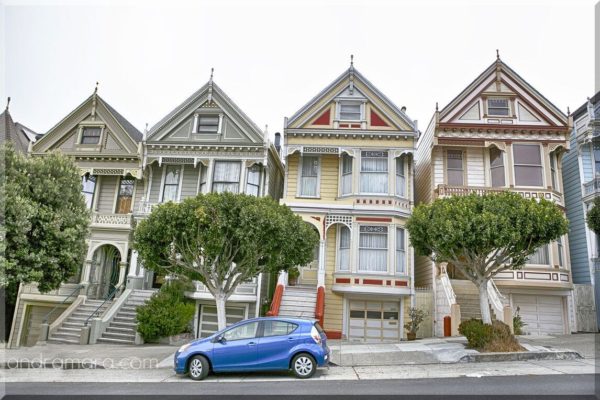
pixel 374 172
pixel 88 189
pixel 208 124
pixel 309 176
pixel 171 184
pixel 540 256
pixel 553 171
pixel 528 165
pixel 226 177
pixel 202 179
pixel 90 134
pixel 373 249
pixel 344 249
pixel 346 174
pixel 454 167
pixel 498 107
pixel 497 167
pixel 400 252
pixel 596 153
pixel 400 177
pixel 559 245
pixel 350 111
pixel 253 181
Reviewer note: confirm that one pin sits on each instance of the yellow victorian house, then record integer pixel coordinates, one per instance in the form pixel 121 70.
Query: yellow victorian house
pixel 349 173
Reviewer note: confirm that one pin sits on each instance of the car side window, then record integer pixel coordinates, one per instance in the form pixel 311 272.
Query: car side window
pixel 246 331
pixel 278 328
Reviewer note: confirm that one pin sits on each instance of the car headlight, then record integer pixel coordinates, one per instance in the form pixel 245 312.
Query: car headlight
pixel 184 347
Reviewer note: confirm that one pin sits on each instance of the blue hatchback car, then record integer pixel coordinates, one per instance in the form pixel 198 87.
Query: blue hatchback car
pixel 260 344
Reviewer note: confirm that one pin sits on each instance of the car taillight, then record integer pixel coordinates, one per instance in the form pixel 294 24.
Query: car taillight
pixel 315 335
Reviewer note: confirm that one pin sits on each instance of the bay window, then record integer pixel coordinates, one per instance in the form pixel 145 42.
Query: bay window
pixel 372 249
pixel 540 256
pixel 528 165
pixel 202 179
pixel 309 176
pixel 400 252
pixel 88 189
pixel 253 181
pixel 171 183
pixel 553 172
pixel 497 167
pixel 344 248
pixel 596 150
pixel 226 177
pixel 400 177
pixel 454 167
pixel 559 245
pixel 374 172
pixel 346 174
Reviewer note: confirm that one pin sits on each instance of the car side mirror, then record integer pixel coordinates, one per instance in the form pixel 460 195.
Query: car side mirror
pixel 220 339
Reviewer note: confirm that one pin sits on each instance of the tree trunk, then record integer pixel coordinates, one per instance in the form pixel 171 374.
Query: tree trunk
pixel 484 303
pixel 220 300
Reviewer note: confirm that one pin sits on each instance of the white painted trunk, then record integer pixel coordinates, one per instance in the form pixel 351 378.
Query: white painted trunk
pixel 220 300
pixel 484 303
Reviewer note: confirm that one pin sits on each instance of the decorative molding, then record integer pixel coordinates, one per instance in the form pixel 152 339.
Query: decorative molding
pixel 332 219
pixel 500 145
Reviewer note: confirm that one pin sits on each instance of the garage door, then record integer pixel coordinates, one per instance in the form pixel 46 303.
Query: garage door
pixel 544 315
pixel 208 318
pixel 374 321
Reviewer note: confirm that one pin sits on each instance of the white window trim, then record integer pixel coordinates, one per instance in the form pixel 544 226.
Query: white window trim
pixel 239 181
pixel 163 178
pixel 337 250
pixel 338 111
pixel 509 104
pixel 405 273
pixel 90 124
pixel 120 178
pixel 341 174
pixel 388 256
pixel 405 172
pixel 514 175
pixel 299 177
pixel 464 165
pixel 390 167
pixel 488 161
pixel 246 182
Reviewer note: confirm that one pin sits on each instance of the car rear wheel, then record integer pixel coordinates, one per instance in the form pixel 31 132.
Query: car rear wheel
pixel 304 366
pixel 198 368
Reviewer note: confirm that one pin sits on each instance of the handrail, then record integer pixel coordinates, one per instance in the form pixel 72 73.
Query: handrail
pixel 447 286
pixel 320 306
pixel 495 301
pixel 276 303
pixel 109 297
pixel 500 295
pixel 47 316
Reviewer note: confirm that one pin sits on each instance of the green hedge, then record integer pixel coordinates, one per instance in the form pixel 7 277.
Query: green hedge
pixel 167 313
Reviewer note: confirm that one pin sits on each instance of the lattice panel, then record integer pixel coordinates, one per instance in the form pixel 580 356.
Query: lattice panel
pixel 338 219
pixel 177 160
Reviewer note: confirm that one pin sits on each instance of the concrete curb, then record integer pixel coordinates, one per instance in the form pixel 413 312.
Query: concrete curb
pixel 49 365
pixel 521 356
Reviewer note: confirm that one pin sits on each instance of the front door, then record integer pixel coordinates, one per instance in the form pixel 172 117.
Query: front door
pixel 238 349
pixel 308 274
pixel 104 272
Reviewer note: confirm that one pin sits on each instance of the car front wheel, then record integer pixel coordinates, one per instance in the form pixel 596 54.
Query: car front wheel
pixel 198 368
pixel 304 366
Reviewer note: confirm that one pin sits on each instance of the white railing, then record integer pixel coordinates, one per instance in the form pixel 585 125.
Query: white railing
pixel 495 299
pixel 146 207
pixel 447 286
pixel 592 186
pixel 111 219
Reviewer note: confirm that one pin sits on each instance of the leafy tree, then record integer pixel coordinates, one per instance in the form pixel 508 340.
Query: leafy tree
pixel 223 240
pixel 484 235
pixel 593 216
pixel 44 222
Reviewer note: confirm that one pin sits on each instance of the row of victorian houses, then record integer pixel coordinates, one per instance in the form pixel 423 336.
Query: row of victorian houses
pixel 352 165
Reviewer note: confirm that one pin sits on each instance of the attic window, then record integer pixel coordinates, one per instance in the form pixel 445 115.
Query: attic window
pixel 90 135
pixel 350 111
pixel 498 107
pixel 208 124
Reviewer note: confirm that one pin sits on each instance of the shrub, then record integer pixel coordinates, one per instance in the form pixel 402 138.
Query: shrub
pixel 167 313
pixel 489 338
pixel 416 317
pixel 518 323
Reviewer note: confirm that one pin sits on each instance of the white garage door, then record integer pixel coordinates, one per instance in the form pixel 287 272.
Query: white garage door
pixel 208 318
pixel 544 315
pixel 374 321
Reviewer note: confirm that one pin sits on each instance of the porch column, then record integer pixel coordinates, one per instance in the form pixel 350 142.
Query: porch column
pixel 321 271
pixel 133 265
pixel 85 273
pixel 122 272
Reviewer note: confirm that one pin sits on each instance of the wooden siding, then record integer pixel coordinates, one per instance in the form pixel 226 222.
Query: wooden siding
pixel 423 271
pixel 275 176
pixel 140 189
pixel 156 181
pixel 475 167
pixel 328 186
pixel 334 303
pixel 189 185
pixel 106 194
pixel 578 247
pixel 423 171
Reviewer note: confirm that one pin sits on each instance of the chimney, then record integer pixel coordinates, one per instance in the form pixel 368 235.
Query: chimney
pixel 278 142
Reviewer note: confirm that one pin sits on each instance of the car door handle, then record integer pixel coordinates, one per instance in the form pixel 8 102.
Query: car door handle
pixel 291 339
pixel 251 344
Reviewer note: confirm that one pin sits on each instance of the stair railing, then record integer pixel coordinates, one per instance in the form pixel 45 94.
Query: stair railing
pixel 495 299
pixel 447 286
pixel 62 303
pixel 276 303
pixel 320 305
pixel 110 296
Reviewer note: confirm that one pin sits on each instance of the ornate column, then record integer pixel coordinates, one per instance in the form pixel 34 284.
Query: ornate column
pixel 133 265
pixel 321 270
pixel 122 272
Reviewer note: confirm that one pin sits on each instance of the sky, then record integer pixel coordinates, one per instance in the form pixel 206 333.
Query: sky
pixel 271 57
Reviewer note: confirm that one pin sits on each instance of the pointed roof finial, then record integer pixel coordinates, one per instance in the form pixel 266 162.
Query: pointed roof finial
pixel 436 106
pixel 497 55
pixel 145 135
pixel 96 88
pixel 351 60
pixel 212 71
pixel 7 103
pixel 266 129
pixel 210 85
pixel 568 111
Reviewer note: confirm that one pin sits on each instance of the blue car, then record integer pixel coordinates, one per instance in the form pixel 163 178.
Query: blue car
pixel 260 344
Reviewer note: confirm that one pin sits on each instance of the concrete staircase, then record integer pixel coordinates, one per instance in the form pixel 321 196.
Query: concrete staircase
pixel 298 301
pixel 69 332
pixel 122 327
pixel 467 296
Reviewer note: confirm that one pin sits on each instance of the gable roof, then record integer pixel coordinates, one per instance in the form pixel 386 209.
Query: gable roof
pixel 356 75
pixel 15 133
pixel 197 96
pixel 135 134
pixel 501 66
pixel 584 107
